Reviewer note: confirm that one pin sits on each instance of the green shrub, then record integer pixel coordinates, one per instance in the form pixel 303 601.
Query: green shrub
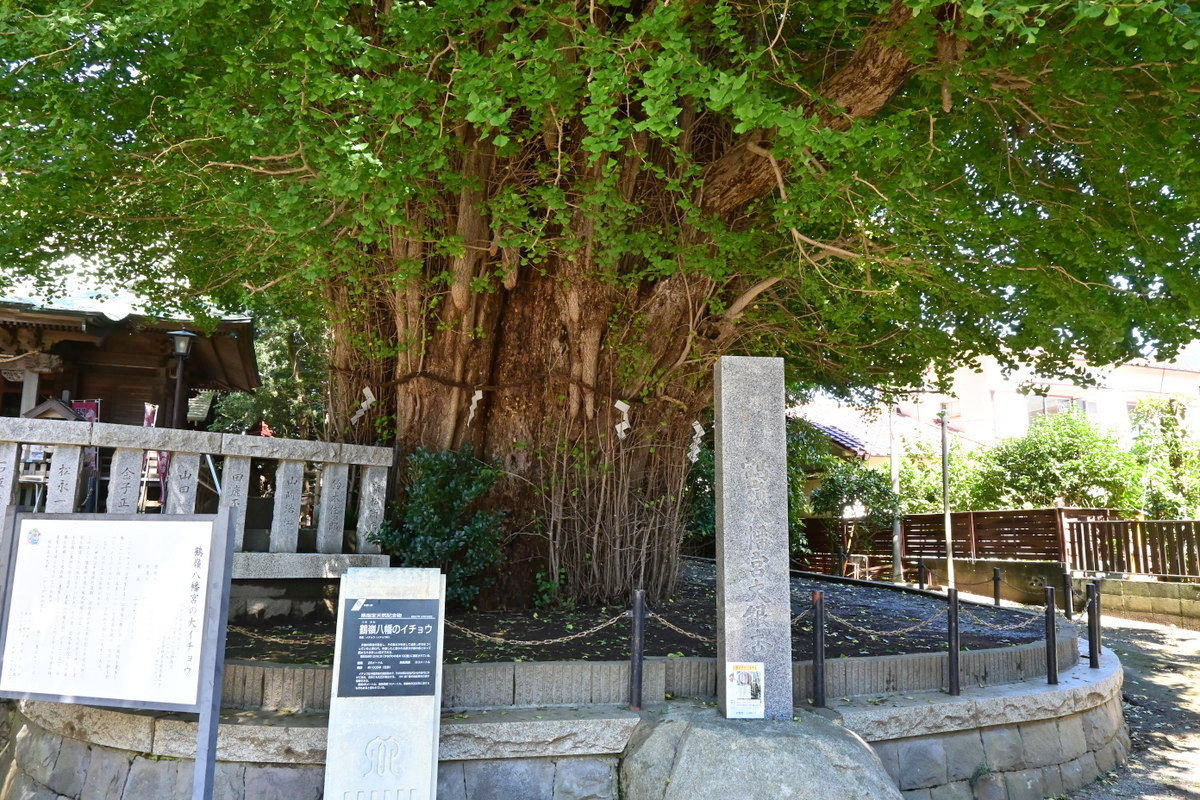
pixel 440 524
pixel 866 493
pixel 807 455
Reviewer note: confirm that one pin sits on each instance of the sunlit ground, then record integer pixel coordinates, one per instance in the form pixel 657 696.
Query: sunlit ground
pixel 1162 707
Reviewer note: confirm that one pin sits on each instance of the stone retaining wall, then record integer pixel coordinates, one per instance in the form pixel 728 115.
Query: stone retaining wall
pixel 1008 743
pixel 1020 581
pixel 1016 742
pixel 1164 602
pixel 64 752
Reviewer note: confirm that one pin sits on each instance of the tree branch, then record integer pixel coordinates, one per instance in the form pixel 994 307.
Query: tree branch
pixel 861 89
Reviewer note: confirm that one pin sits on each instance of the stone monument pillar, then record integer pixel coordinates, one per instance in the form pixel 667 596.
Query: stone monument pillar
pixel 753 588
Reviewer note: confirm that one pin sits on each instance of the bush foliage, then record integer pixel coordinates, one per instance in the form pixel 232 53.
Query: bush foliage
pixel 440 523
pixel 1067 460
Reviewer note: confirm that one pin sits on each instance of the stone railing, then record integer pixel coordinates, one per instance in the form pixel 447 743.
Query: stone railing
pixel 123 475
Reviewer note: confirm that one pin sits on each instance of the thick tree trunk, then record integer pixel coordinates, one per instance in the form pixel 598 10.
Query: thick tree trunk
pixel 530 377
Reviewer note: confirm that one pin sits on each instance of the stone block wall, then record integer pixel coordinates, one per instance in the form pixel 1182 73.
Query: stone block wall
pixel 49 766
pixel 1164 602
pixel 6 747
pixel 1020 741
pixel 1021 581
pixel 569 778
pixel 1027 761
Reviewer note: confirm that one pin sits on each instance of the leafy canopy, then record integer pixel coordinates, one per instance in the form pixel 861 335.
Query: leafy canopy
pixel 1029 190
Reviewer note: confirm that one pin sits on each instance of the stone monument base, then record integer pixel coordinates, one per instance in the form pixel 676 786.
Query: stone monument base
pixel 697 753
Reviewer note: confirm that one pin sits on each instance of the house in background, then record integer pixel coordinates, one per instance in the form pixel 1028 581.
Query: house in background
pixel 86 349
pixel 865 433
pixel 986 406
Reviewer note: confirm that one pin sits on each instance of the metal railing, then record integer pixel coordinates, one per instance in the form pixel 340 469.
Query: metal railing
pixel 341 472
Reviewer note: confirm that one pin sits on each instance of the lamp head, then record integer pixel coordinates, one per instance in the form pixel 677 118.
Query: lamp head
pixel 181 343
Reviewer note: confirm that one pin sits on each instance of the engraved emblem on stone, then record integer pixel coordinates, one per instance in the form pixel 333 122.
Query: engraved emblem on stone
pixel 383 757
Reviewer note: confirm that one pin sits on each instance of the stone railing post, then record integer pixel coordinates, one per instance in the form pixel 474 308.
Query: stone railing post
pixel 125 477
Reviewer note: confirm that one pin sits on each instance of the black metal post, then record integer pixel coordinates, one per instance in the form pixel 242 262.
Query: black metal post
pixel 996 586
pixel 818 605
pixel 178 406
pixel 1093 594
pixel 953 642
pixel 1051 639
pixel 637 649
pixel 921 572
pixel 1068 595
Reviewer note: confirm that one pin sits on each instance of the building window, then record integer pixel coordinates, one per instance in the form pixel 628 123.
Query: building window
pixel 1049 405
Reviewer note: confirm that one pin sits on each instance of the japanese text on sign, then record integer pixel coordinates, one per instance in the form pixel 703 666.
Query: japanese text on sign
pixel 107 610
pixel 389 648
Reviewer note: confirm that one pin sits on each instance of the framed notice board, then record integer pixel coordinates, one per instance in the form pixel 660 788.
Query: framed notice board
pixel 114 610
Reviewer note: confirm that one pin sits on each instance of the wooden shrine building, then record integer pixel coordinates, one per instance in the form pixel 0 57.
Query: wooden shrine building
pixel 65 353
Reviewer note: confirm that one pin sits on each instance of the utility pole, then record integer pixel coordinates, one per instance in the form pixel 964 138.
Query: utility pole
pixel 894 455
pixel 946 497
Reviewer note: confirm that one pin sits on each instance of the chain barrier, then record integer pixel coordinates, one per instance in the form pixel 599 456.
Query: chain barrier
pixel 262 637
pixel 667 624
pixel 942 579
pixel 537 642
pixel 1028 589
pixel 852 626
pixel 798 618
pixel 957 583
pixel 983 623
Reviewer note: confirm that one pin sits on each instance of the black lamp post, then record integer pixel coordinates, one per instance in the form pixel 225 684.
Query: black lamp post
pixel 181 348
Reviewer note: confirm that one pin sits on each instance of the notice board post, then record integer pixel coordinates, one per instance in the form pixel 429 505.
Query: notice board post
pixel 118 610
pixel 385 712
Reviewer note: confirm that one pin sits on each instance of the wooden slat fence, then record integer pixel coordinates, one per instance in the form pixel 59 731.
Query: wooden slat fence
pixel 1029 535
pixel 190 452
pixel 1026 535
pixel 1163 548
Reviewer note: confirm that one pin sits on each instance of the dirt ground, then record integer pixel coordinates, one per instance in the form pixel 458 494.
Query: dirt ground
pixel 863 620
pixel 1162 707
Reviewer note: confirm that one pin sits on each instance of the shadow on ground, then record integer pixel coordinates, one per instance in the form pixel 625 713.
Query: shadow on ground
pixel 1162 707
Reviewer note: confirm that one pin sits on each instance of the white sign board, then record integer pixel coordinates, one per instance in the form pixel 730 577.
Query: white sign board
pixel 385 713
pixel 118 610
pixel 109 611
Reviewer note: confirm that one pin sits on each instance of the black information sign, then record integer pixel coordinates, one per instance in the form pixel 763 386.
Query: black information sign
pixel 389 648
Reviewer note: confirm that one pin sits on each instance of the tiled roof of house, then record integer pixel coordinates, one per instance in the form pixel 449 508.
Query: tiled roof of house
pixel 846 440
pixel 865 431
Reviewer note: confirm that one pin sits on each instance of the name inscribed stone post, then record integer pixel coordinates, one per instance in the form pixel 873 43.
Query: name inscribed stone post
pixel 385 712
pixel 753 587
